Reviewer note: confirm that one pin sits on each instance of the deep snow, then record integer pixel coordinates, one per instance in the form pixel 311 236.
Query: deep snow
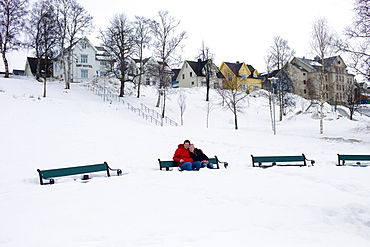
pixel 323 205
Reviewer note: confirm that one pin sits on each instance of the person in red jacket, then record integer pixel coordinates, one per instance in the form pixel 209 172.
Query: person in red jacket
pixel 182 157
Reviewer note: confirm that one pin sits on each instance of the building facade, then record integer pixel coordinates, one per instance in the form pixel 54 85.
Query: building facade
pixel 305 76
pixel 88 62
pixel 243 76
pixel 150 71
pixel 193 74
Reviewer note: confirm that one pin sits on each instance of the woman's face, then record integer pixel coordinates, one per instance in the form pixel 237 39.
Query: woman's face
pixel 191 148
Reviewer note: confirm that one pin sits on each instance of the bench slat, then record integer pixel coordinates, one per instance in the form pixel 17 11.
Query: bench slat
pixel 68 171
pixel 171 163
pixel 352 157
pixel 278 158
pixel 283 158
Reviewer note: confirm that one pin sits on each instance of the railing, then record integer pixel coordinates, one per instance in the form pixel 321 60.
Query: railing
pixel 143 115
pixel 157 115
pixel 145 112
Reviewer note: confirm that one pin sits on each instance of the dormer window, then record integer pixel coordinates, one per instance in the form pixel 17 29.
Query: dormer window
pixel 84 45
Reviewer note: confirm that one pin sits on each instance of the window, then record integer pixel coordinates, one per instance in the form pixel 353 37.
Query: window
pixel 83 58
pixel 104 63
pixel 244 77
pixel 256 87
pixel 183 76
pixel 230 77
pixel 84 45
pixel 84 73
pixel 304 91
pixel 191 74
pixel 243 87
pixel 192 83
pixel 147 81
pixel 304 82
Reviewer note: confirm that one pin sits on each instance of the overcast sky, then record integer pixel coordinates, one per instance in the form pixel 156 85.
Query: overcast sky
pixel 238 30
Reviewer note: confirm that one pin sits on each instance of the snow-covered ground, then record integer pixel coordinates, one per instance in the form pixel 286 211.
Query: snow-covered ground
pixel 323 205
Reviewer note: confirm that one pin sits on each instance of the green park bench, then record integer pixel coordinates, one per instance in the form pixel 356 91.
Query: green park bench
pixel 68 171
pixel 286 160
pixel 342 158
pixel 166 164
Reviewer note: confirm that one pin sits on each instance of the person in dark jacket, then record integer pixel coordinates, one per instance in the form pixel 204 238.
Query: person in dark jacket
pixel 198 155
pixel 182 157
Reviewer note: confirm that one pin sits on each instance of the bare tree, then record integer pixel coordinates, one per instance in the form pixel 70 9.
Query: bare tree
pixel 206 55
pixel 352 93
pixel 209 107
pixel 73 23
pixel 142 41
pixel 12 18
pixel 166 42
pixel 357 42
pixel 280 53
pixel 118 39
pixel 181 100
pixel 43 36
pixel 232 97
pixel 322 44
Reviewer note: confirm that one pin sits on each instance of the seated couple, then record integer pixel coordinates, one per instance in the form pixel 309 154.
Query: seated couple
pixel 190 158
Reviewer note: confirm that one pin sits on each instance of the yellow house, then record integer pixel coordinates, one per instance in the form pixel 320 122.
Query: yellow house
pixel 241 76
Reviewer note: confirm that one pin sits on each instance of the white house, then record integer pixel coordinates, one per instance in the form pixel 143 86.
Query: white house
pixel 88 62
pixel 193 74
pixel 150 71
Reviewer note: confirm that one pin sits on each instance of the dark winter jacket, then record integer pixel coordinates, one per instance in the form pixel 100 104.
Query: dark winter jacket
pixel 198 155
pixel 182 153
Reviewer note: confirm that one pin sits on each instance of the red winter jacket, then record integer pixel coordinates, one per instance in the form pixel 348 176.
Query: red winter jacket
pixel 182 153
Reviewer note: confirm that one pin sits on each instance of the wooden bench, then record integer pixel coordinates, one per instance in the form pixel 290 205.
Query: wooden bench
pixel 171 163
pixel 342 158
pixel 287 160
pixel 68 171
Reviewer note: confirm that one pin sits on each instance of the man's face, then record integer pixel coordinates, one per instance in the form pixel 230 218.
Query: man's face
pixel 186 145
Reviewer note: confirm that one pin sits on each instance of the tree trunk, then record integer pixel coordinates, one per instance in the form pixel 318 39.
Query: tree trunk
pixel 122 88
pixel 68 72
pixel 321 116
pixel 140 76
pixel 207 83
pixel 235 118
pixel 44 86
pixel 236 121
pixel 158 100
pixel 6 65
pixel 164 104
